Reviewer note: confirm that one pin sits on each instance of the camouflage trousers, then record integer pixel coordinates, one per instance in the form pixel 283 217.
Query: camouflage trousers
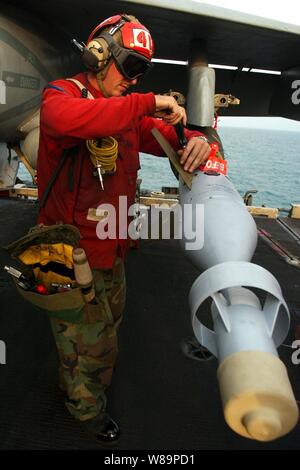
pixel 88 349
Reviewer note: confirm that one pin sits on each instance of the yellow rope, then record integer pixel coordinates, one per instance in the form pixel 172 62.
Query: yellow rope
pixel 104 153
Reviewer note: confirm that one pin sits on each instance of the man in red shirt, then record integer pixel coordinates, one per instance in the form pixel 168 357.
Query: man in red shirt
pixel 117 54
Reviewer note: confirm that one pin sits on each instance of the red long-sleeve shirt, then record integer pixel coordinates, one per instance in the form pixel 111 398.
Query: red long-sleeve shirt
pixel 68 120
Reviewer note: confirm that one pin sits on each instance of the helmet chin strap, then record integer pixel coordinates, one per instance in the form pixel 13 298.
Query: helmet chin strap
pixel 100 76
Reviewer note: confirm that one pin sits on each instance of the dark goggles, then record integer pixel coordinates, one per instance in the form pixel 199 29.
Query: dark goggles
pixel 129 63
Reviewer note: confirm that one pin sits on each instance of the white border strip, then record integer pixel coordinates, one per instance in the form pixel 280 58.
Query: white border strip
pixel 217 66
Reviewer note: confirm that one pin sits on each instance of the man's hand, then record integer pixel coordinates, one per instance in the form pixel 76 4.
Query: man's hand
pixel 195 153
pixel 169 110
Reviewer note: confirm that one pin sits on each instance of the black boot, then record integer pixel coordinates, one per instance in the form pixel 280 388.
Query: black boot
pixel 103 428
pixel 194 350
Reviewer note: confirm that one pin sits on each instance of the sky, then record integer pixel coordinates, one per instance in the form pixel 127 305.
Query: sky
pixel 275 123
pixel 288 12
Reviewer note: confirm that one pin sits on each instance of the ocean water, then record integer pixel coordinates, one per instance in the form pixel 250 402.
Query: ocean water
pixel 265 160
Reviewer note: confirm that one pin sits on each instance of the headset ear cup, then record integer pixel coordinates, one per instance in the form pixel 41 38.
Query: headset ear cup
pixel 96 55
pixel 90 60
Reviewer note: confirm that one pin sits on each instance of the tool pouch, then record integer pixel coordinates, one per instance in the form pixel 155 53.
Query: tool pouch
pixel 45 256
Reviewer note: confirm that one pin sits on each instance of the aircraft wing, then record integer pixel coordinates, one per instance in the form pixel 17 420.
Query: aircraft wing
pixel 231 38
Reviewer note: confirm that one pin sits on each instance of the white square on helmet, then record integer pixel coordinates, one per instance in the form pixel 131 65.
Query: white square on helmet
pixel 142 39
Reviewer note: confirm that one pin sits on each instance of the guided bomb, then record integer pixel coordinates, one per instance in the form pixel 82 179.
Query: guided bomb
pixel 257 397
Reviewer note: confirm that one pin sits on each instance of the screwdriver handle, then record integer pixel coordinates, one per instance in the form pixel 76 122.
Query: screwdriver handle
pixel 180 134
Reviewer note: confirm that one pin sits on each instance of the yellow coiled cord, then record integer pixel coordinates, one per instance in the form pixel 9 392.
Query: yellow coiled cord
pixel 104 153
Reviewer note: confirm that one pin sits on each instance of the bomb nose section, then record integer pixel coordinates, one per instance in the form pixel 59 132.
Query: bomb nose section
pixel 258 399
pixel 263 424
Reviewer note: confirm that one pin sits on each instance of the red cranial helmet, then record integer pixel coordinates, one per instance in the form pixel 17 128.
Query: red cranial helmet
pixel 124 39
pixel 133 35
